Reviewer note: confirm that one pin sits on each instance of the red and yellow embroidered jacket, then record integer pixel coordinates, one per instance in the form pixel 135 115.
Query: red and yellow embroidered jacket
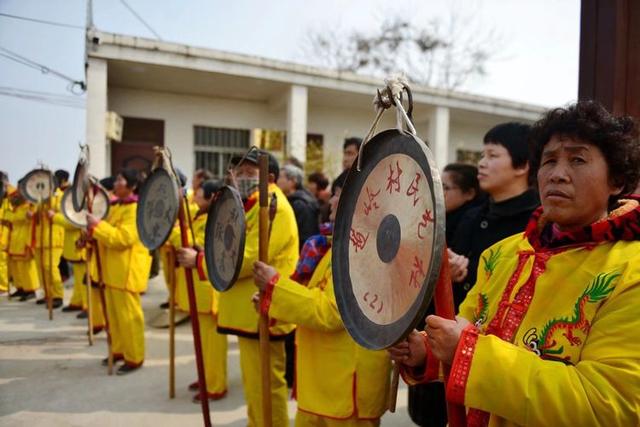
pixel 557 322
pixel 335 377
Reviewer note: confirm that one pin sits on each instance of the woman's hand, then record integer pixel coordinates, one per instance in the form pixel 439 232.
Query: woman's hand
pixel 262 274
pixel 186 257
pixel 411 351
pixel 92 221
pixel 443 336
pixel 458 265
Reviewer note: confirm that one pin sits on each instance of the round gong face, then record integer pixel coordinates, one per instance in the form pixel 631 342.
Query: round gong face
pixel 37 185
pixel 79 186
pixel 99 208
pixel 157 208
pixel 388 240
pixel 224 239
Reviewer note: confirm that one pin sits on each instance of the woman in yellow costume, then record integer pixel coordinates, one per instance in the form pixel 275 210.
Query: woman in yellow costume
pixel 214 345
pixel 21 247
pixel 124 266
pixel 548 336
pixel 5 230
pixel 337 382
pixel 237 315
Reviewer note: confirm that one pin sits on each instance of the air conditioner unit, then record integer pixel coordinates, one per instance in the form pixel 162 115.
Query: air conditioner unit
pixel 114 126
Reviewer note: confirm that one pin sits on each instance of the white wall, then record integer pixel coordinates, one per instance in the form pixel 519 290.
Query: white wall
pixel 182 112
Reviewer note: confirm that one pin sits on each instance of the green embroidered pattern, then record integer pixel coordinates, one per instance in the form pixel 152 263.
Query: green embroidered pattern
pixel 480 313
pixel 598 290
pixel 491 261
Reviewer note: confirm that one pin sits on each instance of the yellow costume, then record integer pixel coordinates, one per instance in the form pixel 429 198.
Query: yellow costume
pixel 5 230
pixel 555 340
pixel 338 382
pixel 76 257
pixel 238 316
pixel 125 265
pixel 21 248
pixel 48 253
pixel 214 345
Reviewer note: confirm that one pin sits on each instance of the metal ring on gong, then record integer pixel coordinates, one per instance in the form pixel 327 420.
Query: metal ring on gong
pixel 99 208
pixel 80 186
pixel 388 239
pixel 225 237
pixel 157 210
pixel 37 186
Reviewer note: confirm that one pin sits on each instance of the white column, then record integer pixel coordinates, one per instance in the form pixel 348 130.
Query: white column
pixel 297 122
pixel 439 135
pixel 96 117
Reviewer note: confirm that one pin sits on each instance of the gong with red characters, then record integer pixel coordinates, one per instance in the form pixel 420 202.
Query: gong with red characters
pixel 388 239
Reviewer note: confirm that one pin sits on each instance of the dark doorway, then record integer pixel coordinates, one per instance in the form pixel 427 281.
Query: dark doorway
pixel 139 136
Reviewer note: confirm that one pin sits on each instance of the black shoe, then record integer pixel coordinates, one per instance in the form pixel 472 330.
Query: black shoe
pixel 96 330
pixel 82 315
pixel 41 301
pixel 164 305
pixel 105 361
pixel 27 296
pixel 70 308
pixel 125 369
pixel 17 293
pixel 56 303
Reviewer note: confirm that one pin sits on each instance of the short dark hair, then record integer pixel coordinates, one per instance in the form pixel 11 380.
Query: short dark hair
pixel 210 187
pixel 616 137
pixel 61 175
pixel 464 176
pixel 513 136
pixel 107 182
pixel 131 176
pixel 352 141
pixel 320 179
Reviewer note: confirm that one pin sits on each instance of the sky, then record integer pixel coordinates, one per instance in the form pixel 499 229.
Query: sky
pixel 536 58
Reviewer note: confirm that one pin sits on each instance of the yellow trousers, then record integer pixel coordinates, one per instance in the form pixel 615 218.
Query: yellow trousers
pixel 214 354
pixel 4 270
pixel 305 419
pixel 79 295
pixel 252 383
pixel 43 259
pixel 126 325
pixel 97 310
pixel 24 274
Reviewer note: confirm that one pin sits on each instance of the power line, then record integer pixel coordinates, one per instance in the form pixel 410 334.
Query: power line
pixel 140 19
pixel 42 68
pixel 44 97
pixel 42 21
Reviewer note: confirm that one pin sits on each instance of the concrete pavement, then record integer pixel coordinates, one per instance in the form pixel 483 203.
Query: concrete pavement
pixel 50 376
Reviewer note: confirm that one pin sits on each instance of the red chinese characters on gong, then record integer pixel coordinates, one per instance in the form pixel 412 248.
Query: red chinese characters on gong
pixel 393 180
pixel 371 203
pixel 417 273
pixel 413 188
pixel 358 240
pixel 374 302
pixel 427 217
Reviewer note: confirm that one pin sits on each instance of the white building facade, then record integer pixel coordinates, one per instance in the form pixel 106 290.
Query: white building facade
pixel 206 105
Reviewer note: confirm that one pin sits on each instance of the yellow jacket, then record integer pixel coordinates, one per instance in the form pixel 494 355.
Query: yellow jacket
pixel 206 295
pixel 124 260
pixel 558 330
pixel 236 313
pixel 335 377
pixel 71 235
pixel 5 228
pixel 21 240
pixel 57 232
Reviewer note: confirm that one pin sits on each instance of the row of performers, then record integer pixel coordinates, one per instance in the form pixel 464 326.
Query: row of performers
pixel 355 392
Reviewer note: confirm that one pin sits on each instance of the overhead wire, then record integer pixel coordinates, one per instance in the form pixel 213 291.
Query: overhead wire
pixel 41 21
pixel 13 56
pixel 134 13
